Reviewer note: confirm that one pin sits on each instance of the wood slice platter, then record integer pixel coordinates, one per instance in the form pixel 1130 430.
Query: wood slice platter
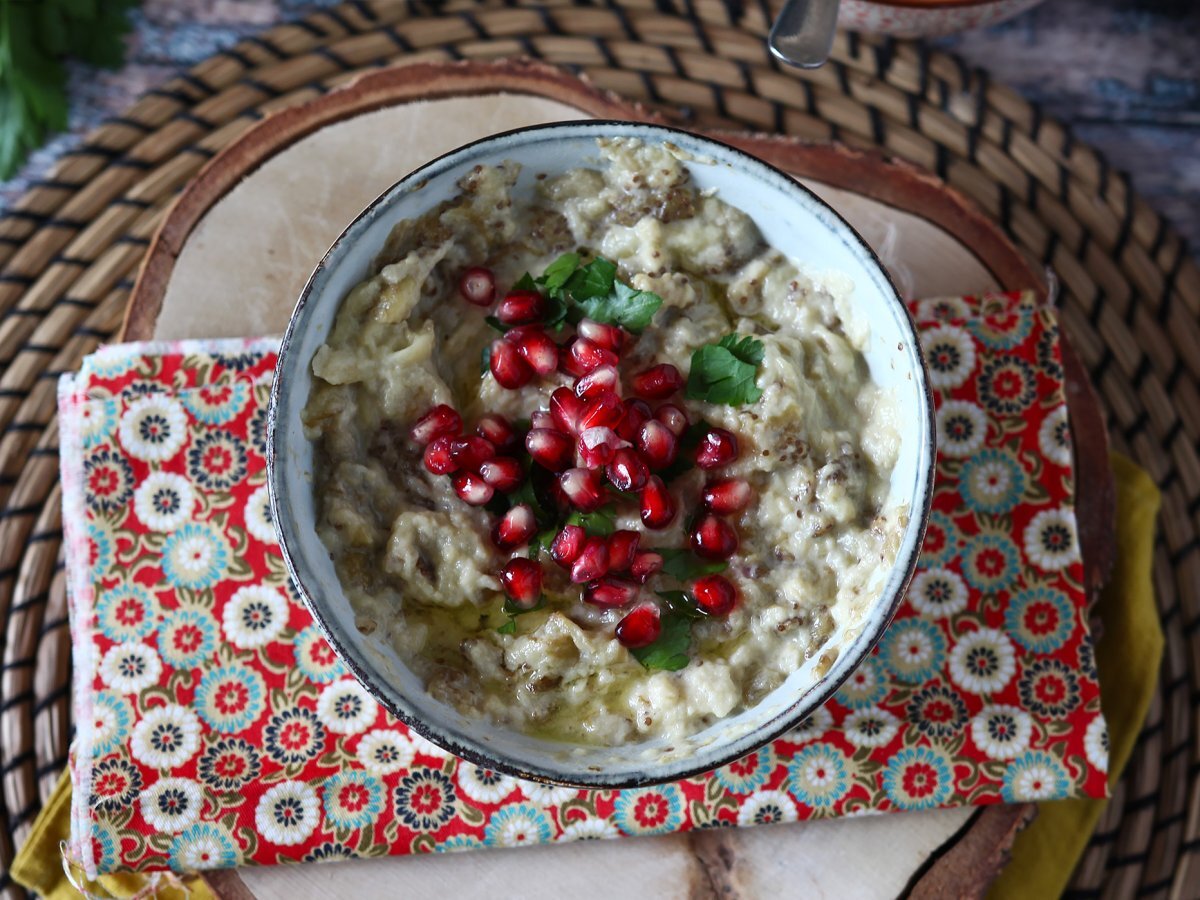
pixel 237 246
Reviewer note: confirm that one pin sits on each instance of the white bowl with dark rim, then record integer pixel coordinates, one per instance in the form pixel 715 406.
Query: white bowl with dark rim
pixel 791 219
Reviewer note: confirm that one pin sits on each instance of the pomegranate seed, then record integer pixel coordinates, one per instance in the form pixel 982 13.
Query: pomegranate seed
pixel 673 417
pixel 640 627
pixel 471 488
pixel 440 420
pixel 657 445
pixel 610 337
pixel 622 545
pixel 645 564
pixel 503 473
pixel 601 378
pixel 538 350
pixel 658 506
pixel 713 538
pixel 478 286
pixel 714 594
pixel 587 355
pixel 521 308
pixel 583 488
pixel 637 413
pixel 658 382
pixel 471 452
pixel 542 419
pixel 566 409
pixel 610 592
pixel 497 430
pixel 728 495
pixel 605 409
pixel 508 368
pixel 521 579
pixel 717 448
pixel 597 446
pixel 568 544
pixel 627 472
pixel 567 361
pixel 550 449
pixel 515 528
pixel 592 561
pixel 437 456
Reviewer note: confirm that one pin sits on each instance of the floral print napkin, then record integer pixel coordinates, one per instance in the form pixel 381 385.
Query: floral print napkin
pixel 216 728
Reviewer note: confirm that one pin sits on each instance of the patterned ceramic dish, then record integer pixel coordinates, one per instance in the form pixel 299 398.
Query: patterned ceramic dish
pixel 926 18
pixel 791 219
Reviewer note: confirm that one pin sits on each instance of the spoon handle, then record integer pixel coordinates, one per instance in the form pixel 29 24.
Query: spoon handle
pixel 803 34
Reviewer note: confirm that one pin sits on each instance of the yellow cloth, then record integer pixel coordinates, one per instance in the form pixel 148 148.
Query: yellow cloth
pixel 1045 854
pixel 1128 656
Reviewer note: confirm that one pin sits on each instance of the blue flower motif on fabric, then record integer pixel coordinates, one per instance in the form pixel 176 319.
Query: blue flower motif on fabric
pixel 1040 619
pixel 748 774
pixel 937 712
pixel 424 800
pixel 116 782
pixel 1033 776
pixel 918 778
pixel 913 650
pixel 1007 385
pixel 187 637
pixel 231 698
pixel 107 482
pixel 104 846
pixel 458 842
pixel 217 461
pixel 229 764
pixel 202 846
pixel 517 825
pixel 98 421
pixel 315 658
pixel 817 776
pixel 992 481
pixel 650 810
pixel 258 430
pixel 239 362
pixel 352 799
pixel 942 540
pixel 195 557
pixel 330 851
pixel 100 549
pixel 1002 329
pixel 991 561
pixel 216 404
pixel 294 735
pixel 126 613
pixel 866 686
pixel 112 718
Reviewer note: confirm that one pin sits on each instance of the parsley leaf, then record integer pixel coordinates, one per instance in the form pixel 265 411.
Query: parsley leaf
pixel 512 611
pixel 485 359
pixel 525 283
pixel 684 565
pixel 670 651
pixel 602 521
pixel 558 273
pixel 497 324
pixel 683 603
pixel 724 372
pixel 631 309
pixel 596 279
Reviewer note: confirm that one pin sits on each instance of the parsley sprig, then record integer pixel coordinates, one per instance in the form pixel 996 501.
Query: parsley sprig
pixel 36 38
pixel 724 372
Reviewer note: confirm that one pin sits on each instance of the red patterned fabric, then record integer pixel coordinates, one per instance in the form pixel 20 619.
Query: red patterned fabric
pixel 216 727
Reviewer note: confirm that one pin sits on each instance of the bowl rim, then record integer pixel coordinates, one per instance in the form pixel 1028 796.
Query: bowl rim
pixel 748 742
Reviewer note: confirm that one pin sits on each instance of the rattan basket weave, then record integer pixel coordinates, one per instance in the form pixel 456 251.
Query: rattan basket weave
pixel 70 248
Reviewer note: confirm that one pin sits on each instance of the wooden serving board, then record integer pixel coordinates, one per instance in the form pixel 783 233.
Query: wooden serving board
pixel 237 247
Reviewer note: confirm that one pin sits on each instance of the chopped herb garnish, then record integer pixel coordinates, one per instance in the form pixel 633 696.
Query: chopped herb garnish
pixel 601 522
pixel 724 372
pixel 485 361
pixel 596 279
pixel 525 283
pixel 685 565
pixel 631 309
pixel 497 324
pixel 512 611
pixel 558 273
pixel 591 291
pixel 683 603
pixel 670 652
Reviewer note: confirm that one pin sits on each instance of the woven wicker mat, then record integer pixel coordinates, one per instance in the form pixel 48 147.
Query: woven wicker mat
pixel 1131 303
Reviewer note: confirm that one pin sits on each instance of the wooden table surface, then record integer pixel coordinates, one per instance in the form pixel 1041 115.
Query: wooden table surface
pixel 1124 73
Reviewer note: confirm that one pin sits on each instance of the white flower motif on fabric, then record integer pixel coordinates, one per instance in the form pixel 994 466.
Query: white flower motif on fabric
pixel 870 727
pixel 950 352
pixel 766 807
pixel 517 826
pixel 164 501
pixel 130 668
pixel 983 661
pixel 961 428
pixel 482 785
pixel 287 814
pixel 546 794
pixel 428 748
pixel 384 752
pixel 258 516
pixel 171 804
pixel 943 308
pixel 1002 732
pixel 1095 743
pixel 153 428
pixel 813 727
pixel 166 737
pixel 938 593
pixel 1050 540
pixel 345 707
pixel 589 829
pixel 1037 777
pixel 254 616
pixel 1054 437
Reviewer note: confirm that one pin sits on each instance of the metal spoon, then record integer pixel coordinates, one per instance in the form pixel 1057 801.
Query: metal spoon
pixel 803 34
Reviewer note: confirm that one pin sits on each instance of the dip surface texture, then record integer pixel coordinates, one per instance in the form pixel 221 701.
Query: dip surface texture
pixel 817 448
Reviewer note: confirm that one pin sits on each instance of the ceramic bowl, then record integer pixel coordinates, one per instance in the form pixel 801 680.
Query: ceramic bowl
pixel 791 219
pixel 926 18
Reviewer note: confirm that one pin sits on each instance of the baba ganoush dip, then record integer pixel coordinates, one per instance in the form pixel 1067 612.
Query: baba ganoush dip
pixel 601 464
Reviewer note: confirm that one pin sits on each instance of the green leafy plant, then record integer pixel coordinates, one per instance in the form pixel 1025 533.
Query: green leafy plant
pixel 36 39
pixel 724 372
pixel 591 291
